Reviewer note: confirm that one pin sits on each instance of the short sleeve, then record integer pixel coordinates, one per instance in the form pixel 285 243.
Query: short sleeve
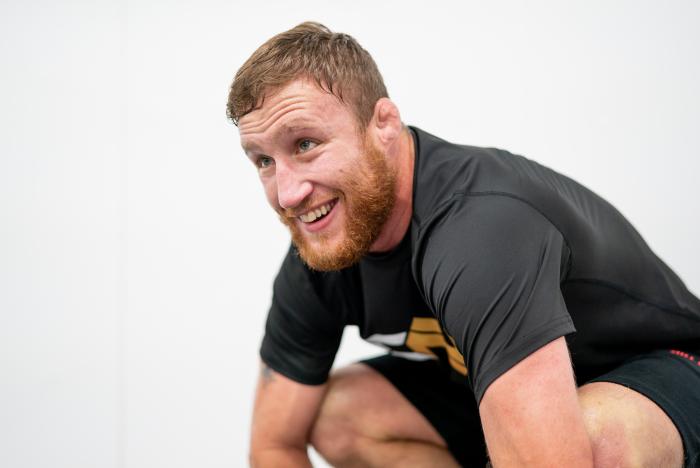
pixel 490 269
pixel 301 335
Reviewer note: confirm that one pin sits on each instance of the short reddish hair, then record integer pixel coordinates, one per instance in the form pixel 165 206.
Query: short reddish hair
pixel 335 61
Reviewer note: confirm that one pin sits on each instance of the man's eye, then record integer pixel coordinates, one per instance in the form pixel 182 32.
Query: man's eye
pixel 306 145
pixel 265 161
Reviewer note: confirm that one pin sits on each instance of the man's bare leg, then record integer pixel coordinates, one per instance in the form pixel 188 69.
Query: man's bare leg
pixel 364 421
pixel 627 429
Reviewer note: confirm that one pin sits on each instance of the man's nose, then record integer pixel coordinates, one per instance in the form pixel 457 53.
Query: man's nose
pixel 292 187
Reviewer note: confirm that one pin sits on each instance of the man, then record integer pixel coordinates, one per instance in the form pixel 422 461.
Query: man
pixel 485 274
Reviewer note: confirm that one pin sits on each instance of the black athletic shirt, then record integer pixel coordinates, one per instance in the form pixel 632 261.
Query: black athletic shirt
pixel 503 255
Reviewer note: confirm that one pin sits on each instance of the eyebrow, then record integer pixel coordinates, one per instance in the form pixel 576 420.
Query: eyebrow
pixel 285 129
pixel 247 148
pixel 295 127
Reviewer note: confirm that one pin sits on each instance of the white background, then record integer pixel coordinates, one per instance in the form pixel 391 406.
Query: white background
pixel 136 249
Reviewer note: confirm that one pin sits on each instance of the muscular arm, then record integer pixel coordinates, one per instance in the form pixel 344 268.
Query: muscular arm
pixel 282 418
pixel 531 415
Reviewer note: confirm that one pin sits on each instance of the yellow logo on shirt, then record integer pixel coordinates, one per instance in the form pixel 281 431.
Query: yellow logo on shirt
pixel 426 334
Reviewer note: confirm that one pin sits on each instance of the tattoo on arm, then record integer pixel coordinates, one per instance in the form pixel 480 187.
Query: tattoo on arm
pixel 267 374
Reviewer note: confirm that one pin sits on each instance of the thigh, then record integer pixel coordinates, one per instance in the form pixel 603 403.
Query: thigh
pixel 447 406
pixel 666 385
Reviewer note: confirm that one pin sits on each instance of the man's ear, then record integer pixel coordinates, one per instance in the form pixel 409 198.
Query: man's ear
pixel 386 122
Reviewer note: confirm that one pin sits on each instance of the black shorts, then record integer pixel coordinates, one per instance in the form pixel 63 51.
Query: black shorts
pixel 670 378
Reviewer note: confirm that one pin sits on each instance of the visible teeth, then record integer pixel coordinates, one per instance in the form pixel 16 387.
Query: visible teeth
pixel 313 215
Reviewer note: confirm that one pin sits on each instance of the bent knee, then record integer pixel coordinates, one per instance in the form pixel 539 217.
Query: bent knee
pixel 336 430
pixel 362 408
pixel 610 438
pixel 627 429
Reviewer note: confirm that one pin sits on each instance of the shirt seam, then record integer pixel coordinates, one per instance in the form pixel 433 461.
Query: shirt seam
pixel 687 313
pixel 462 194
pixel 667 308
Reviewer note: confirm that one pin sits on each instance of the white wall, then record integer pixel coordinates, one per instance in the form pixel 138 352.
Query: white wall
pixel 62 235
pixel 137 251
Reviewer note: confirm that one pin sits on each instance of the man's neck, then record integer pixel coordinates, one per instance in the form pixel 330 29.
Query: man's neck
pixel 399 219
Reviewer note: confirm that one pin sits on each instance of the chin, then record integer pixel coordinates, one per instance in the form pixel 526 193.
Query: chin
pixel 322 257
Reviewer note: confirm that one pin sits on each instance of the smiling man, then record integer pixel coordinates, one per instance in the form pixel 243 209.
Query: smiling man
pixel 484 274
pixel 337 209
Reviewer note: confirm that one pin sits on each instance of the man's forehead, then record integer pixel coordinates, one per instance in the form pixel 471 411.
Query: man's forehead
pixel 300 105
pixel 301 87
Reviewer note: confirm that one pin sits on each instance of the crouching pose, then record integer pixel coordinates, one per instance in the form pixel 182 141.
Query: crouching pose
pixel 524 318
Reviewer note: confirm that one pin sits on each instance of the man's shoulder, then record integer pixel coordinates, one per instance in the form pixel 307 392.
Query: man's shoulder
pixel 471 222
pixel 434 153
pixel 447 174
pixel 444 170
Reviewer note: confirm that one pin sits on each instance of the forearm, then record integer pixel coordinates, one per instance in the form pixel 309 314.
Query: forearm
pixel 283 415
pixel 287 457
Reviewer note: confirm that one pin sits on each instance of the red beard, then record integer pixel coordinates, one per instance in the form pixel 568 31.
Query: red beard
pixel 368 196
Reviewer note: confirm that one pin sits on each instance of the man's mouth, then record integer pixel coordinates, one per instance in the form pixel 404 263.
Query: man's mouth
pixel 316 214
